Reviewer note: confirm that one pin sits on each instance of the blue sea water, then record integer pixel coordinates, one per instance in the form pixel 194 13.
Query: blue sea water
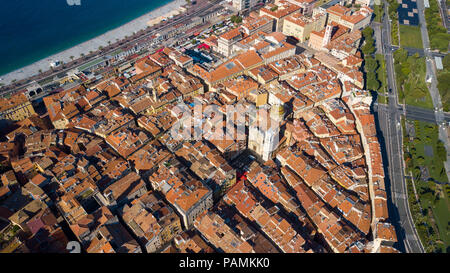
pixel 31 30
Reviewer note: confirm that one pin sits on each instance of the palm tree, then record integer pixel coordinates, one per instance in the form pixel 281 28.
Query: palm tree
pixel 72 57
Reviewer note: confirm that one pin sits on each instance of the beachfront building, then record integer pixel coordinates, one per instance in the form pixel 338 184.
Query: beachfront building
pixel 241 5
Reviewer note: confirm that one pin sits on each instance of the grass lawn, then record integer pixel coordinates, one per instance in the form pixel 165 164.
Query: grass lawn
pixel 381 76
pixel 410 76
pixel 381 72
pixel 439 37
pixel 383 99
pixel 442 216
pixel 428 134
pixel 45 81
pixel 412 99
pixel 410 36
pixel 443 77
pixel 415 98
pixel 438 212
pixel 394 32
pixel 433 224
pixel 378 11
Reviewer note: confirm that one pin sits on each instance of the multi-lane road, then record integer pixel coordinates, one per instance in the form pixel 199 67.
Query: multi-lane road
pixel 416 113
pixel 389 125
pixel 201 8
pixel 389 122
pixel 444 14
pixel 421 52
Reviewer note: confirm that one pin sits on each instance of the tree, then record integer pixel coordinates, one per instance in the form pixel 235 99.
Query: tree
pixel 401 55
pixel 441 151
pixel 72 57
pixel 444 82
pixel 420 161
pixel 368 48
pixel 372 82
pixel 405 68
pixel 236 19
pixel 371 64
pixel 367 32
pixel 446 61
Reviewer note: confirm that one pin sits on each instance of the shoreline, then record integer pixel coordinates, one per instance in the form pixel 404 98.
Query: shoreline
pixel 93 44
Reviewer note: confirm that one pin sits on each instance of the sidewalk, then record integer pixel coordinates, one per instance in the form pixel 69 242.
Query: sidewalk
pixel 93 44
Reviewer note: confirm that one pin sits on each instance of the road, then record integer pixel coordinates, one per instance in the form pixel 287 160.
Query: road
pixel 432 74
pixel 201 7
pixel 388 118
pixel 421 52
pixel 415 113
pixel 444 14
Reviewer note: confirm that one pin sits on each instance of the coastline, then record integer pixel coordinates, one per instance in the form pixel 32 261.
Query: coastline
pixel 93 44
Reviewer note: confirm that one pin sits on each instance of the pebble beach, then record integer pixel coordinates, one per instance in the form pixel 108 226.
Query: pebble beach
pixel 139 23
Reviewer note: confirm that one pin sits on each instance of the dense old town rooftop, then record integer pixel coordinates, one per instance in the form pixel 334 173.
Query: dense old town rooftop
pixel 102 159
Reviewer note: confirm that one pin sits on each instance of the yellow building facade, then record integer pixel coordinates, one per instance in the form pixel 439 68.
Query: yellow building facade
pixel 16 108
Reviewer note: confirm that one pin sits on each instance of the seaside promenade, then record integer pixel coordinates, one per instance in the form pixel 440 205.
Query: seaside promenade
pixel 93 44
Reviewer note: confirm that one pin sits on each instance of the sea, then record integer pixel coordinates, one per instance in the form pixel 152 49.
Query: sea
pixel 31 30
